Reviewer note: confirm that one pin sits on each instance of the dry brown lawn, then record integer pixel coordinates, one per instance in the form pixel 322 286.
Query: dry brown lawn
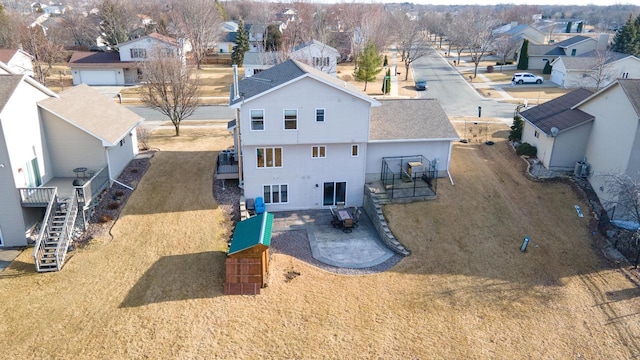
pixel 154 289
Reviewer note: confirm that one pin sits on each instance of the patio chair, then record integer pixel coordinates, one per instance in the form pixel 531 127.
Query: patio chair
pixel 334 217
pixel 251 206
pixel 347 225
pixel 260 206
pixel 355 214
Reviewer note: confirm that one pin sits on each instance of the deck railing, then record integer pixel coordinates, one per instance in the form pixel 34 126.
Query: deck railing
pixel 37 197
pixel 90 190
pixel 67 231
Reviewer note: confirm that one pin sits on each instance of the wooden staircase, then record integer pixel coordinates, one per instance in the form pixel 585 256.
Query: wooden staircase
pixel 55 236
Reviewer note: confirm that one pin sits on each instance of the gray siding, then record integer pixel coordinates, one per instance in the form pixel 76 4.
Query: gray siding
pixel 11 220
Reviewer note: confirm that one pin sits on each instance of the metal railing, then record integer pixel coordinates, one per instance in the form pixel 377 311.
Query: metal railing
pixel 67 230
pixel 37 197
pixel 93 187
pixel 38 249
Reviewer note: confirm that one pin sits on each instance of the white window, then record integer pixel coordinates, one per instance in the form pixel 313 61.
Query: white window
pixel 257 120
pixel 276 194
pixel 269 157
pixel 320 115
pixel 122 142
pixel 318 151
pixel 138 53
pixel 355 149
pixel 291 119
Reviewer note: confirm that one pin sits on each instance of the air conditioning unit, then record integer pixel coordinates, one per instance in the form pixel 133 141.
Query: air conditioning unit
pixel 581 169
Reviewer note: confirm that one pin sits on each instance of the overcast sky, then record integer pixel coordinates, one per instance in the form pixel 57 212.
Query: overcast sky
pixel 519 2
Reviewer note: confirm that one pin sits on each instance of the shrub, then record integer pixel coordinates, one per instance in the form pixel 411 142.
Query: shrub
pixel 490 68
pixel 134 171
pixel 105 218
pixel 113 206
pixel 143 135
pixel 526 149
pixel 119 193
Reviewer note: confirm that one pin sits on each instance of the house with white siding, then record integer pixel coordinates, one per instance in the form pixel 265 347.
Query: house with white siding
pixel 539 55
pixel 57 153
pixel 594 69
pixel 308 140
pixel 18 61
pixel 120 68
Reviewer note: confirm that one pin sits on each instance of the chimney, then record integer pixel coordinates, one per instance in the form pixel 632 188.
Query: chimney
pixel 236 94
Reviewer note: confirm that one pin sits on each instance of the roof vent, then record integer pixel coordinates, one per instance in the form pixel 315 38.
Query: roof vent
pixel 554 131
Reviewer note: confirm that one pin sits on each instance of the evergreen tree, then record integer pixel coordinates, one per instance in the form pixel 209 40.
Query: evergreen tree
pixel 368 64
pixel 385 63
pixel 241 45
pixel 547 68
pixel 569 25
pixel 627 39
pixel 516 129
pixel 580 27
pixel 273 38
pixel 523 61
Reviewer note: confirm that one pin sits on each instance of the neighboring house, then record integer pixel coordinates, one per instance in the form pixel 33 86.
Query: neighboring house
pixel 519 32
pixel 56 148
pixel 601 128
pixel 319 55
pixel 614 144
pixel 256 62
pixel 309 152
pixel 575 46
pixel 110 68
pixel 595 69
pixel 558 130
pixel 18 61
pixel 256 34
pixel 225 46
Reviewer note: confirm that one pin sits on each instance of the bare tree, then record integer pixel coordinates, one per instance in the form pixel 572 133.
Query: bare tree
pixel 169 86
pixel 44 51
pixel 479 34
pixel 505 47
pixel 622 199
pixel 199 23
pixel 601 73
pixel 9 25
pixel 411 40
pixel 80 28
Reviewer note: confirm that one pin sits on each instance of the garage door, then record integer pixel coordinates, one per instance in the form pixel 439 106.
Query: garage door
pixel 104 77
pixel 556 77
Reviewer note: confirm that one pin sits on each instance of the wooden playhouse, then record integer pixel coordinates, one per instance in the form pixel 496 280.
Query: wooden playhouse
pixel 247 264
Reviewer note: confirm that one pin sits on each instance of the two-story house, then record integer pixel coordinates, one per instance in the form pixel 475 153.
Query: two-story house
pixel 539 55
pixel 120 68
pixel 307 140
pixel 58 152
pixel 18 61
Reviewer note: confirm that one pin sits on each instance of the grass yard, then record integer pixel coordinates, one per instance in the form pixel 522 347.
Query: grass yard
pixel 154 289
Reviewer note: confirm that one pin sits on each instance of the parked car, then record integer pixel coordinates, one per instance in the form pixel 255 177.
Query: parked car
pixel 421 85
pixel 526 78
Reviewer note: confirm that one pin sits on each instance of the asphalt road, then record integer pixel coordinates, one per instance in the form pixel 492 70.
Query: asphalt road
pixel 456 96
pixel 205 112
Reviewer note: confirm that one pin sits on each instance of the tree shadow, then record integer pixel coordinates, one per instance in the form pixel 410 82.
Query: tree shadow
pixel 179 277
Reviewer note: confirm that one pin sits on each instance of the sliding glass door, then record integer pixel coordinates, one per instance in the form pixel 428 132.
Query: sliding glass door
pixel 334 193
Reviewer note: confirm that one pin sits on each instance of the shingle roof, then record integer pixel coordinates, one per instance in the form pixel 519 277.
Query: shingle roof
pixel 250 232
pixel 590 60
pixel 93 112
pixel 572 41
pixel 559 112
pixel 7 54
pixel 541 50
pixel 631 88
pixel 284 72
pixel 91 59
pixel 317 43
pixel 156 36
pixel 8 84
pixel 261 58
pixel 417 119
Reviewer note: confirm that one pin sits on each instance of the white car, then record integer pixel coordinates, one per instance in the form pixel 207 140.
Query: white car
pixel 526 78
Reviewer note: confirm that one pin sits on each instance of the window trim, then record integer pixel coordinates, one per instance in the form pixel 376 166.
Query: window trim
pixel 138 53
pixel 357 147
pixel 320 150
pixel 324 114
pixel 251 120
pixel 264 150
pixel 284 119
pixel 270 199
